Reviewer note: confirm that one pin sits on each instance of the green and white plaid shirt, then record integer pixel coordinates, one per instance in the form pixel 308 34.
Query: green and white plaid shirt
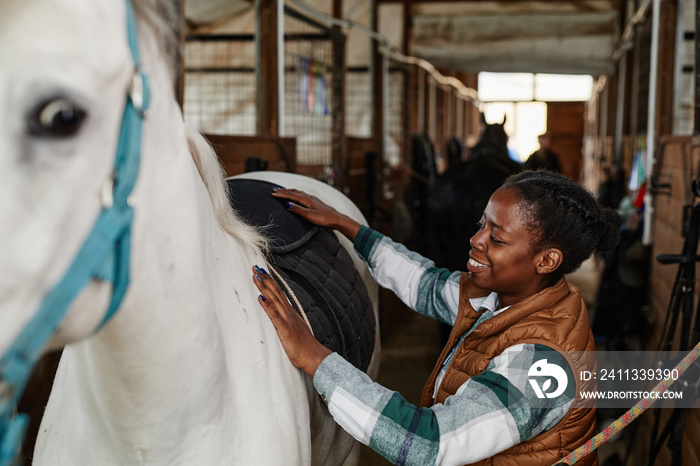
pixel 489 413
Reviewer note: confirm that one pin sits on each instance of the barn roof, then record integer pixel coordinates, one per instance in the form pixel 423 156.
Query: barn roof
pixel 539 36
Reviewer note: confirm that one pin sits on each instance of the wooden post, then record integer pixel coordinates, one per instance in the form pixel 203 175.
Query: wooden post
pixel 440 112
pixel 667 41
pixel 696 99
pixel 450 115
pixel 430 107
pixel 338 137
pixel 410 119
pixel 267 97
pixel 377 87
pixel 471 111
pixel 421 101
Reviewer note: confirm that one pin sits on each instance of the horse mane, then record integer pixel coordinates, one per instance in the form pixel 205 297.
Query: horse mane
pixel 164 18
pixel 213 176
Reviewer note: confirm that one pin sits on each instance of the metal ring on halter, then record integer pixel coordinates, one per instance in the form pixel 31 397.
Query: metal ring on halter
pixel 6 390
pixel 137 92
pixel 107 192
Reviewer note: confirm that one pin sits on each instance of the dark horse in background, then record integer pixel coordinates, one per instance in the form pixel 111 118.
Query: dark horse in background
pixel 458 197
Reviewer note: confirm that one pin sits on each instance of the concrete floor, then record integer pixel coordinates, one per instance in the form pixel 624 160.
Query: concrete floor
pixel 412 346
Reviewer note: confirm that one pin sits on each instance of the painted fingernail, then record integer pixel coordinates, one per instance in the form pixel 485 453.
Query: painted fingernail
pixel 259 279
pixel 262 298
pixel 263 271
pixel 276 188
pixel 288 205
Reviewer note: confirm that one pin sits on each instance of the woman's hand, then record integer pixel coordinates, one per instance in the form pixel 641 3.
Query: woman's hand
pixel 302 348
pixel 316 211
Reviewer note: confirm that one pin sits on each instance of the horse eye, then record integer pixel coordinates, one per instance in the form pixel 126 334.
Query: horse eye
pixel 56 118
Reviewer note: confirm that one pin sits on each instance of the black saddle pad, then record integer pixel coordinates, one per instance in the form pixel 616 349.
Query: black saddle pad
pixel 316 267
pixel 254 202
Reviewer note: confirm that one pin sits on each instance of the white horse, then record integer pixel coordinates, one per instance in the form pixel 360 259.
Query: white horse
pixel 189 370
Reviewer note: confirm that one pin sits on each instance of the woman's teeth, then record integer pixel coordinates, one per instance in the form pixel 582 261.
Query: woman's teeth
pixel 474 263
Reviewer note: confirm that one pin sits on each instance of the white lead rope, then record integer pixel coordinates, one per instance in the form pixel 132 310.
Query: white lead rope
pixel 294 298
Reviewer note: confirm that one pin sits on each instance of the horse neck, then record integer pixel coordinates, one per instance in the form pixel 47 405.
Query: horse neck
pixel 190 328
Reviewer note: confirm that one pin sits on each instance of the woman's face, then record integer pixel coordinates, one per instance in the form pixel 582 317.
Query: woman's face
pixel 500 258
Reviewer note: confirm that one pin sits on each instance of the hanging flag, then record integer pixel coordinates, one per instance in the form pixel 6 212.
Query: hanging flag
pixel 638 172
pixel 303 82
pixel 639 199
pixel 312 86
pixel 321 108
pixel 633 182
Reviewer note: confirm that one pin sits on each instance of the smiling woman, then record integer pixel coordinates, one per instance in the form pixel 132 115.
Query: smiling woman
pixel 502 258
pixel 511 310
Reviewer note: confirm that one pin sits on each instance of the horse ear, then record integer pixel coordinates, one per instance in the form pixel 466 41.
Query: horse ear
pixel 504 119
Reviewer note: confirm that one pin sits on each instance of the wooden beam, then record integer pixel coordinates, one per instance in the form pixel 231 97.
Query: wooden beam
pixel 666 81
pixel 377 84
pixel 267 97
pixel 338 138
pixel 581 5
pixel 410 120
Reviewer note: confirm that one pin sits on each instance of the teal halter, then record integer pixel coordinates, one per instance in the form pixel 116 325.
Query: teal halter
pixel 104 255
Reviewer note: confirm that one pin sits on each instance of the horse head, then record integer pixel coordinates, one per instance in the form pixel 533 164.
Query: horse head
pixel 65 81
pixel 493 138
pixel 70 79
pixel 189 341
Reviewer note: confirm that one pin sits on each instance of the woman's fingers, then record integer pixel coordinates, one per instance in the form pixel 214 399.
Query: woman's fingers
pixel 304 202
pixel 294 195
pixel 309 207
pixel 270 290
pixel 301 201
pixel 274 302
pixel 298 209
pixel 302 348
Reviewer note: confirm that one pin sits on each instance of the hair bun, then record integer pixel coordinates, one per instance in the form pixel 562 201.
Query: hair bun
pixel 609 229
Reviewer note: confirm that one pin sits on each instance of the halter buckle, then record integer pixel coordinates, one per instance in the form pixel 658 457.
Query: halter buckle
pixel 6 390
pixel 107 192
pixel 137 92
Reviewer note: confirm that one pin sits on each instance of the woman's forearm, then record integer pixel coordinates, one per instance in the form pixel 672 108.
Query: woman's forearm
pixel 347 226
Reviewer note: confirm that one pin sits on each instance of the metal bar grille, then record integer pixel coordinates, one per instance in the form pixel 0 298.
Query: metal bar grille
pixel 686 117
pixel 358 102
pixel 396 101
pixel 644 44
pixel 220 85
pixel 308 81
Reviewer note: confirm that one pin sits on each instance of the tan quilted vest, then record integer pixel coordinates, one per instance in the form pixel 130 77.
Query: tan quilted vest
pixel 555 317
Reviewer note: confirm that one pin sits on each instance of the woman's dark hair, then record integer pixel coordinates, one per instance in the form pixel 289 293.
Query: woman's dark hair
pixel 564 215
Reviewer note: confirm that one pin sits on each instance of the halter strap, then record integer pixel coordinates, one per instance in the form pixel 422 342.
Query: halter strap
pixel 104 255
